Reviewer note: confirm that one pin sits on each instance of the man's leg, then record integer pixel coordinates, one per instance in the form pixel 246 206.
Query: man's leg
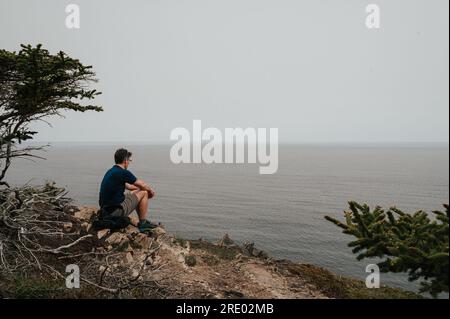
pixel 142 208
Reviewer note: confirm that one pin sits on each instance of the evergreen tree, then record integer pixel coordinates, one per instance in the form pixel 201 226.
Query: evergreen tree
pixel 34 85
pixel 412 243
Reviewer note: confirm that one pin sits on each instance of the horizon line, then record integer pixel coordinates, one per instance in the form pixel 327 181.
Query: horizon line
pixel 280 143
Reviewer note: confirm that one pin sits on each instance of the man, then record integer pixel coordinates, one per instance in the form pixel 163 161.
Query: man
pixel 113 200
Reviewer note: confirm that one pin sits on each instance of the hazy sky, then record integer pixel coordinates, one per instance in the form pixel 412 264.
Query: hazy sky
pixel 308 67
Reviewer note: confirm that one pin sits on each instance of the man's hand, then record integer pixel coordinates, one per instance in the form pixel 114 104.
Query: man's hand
pixel 151 193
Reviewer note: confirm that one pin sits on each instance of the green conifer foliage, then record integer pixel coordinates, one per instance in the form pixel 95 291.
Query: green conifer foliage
pixel 35 85
pixel 414 243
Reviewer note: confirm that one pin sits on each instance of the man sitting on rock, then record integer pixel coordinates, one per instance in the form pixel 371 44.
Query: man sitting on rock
pixel 114 202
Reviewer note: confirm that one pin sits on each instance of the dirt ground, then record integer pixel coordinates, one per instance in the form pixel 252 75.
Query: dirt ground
pixel 218 275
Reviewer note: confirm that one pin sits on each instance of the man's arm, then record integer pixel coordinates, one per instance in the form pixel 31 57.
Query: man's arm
pixel 131 187
pixel 143 186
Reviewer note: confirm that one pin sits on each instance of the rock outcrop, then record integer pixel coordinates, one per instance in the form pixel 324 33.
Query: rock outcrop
pixel 196 268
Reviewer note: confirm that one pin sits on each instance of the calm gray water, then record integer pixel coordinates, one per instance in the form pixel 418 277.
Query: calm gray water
pixel 282 213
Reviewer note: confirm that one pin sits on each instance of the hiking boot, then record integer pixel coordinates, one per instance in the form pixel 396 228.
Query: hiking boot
pixel 145 225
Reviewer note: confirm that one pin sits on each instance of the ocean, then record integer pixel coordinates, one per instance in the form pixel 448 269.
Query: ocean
pixel 282 213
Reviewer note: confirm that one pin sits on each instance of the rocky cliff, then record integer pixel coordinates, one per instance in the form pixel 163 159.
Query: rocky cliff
pixel 197 268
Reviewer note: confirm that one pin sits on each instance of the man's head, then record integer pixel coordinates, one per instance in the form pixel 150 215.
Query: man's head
pixel 122 156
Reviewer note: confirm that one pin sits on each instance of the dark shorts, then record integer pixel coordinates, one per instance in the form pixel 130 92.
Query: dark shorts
pixel 129 204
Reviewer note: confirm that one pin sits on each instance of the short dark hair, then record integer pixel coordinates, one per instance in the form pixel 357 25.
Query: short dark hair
pixel 121 155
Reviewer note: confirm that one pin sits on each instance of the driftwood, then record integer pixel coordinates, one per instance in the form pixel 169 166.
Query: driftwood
pixel 39 236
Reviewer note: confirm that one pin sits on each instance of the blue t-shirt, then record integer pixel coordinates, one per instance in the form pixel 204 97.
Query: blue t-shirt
pixel 113 186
